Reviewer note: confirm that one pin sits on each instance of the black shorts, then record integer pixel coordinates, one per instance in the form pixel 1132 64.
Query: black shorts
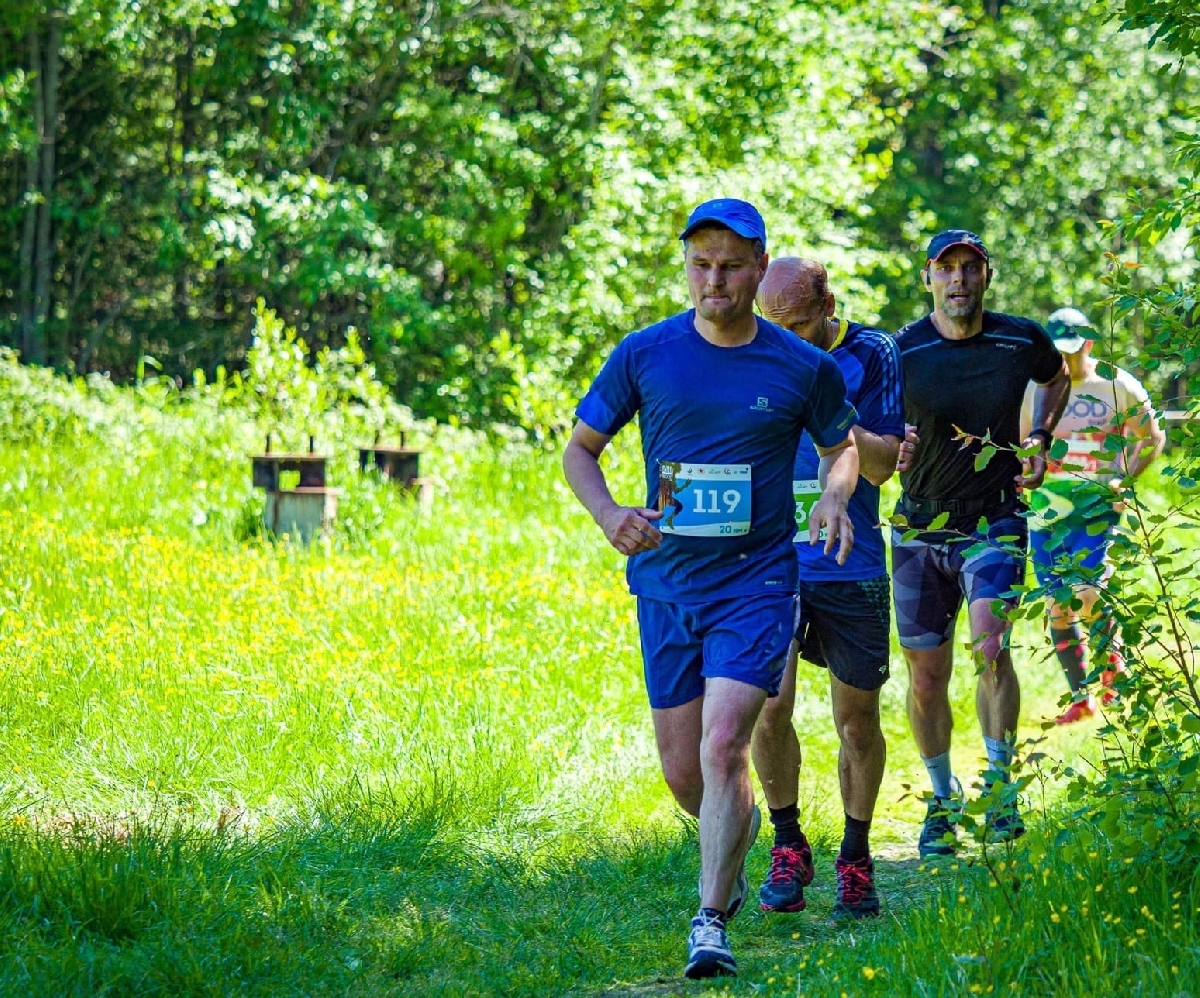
pixel 844 627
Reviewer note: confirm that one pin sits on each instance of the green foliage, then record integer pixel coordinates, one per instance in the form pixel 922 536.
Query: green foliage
pixel 242 767
pixel 1174 24
pixel 1031 121
pixel 1143 795
pixel 491 199
pixel 337 397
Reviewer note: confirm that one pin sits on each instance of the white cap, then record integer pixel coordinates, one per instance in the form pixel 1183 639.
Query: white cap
pixel 1068 327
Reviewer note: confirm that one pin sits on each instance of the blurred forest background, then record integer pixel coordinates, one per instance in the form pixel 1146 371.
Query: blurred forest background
pixel 490 193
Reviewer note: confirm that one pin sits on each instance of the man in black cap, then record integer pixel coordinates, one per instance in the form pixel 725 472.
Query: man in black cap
pixel 721 398
pixel 965 374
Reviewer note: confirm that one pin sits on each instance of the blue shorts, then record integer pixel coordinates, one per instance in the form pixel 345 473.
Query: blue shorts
pixel 1076 553
pixel 932 573
pixel 683 644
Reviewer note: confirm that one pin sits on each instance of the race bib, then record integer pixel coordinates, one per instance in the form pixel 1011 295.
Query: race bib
pixel 1080 458
pixel 807 491
pixel 704 500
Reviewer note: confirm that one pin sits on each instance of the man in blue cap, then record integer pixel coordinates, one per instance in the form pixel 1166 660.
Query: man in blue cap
pixel 722 398
pixel 965 375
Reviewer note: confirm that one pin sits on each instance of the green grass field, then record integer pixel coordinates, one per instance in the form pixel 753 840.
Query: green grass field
pixel 416 759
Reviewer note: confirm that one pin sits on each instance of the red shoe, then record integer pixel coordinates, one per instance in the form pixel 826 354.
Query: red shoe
pixel 1116 668
pixel 1079 710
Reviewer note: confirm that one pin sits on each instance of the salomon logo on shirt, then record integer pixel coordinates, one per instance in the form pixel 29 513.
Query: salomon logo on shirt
pixel 762 405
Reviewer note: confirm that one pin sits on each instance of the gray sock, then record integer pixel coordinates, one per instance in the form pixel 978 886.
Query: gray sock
pixel 940 774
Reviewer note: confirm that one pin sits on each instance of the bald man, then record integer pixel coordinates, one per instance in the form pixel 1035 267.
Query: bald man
pixel 845 609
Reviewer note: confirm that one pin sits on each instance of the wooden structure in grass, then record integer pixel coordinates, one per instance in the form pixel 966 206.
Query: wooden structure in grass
pixel 401 465
pixel 299 502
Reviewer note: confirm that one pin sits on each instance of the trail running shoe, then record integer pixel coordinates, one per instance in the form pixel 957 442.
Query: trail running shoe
pixel 1004 821
pixel 856 897
pixel 709 954
pixel 741 886
pixel 791 871
pixel 1116 666
pixel 939 835
pixel 1078 711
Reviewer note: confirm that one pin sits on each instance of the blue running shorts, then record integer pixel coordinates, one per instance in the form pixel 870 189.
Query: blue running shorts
pixel 1076 551
pixel 683 644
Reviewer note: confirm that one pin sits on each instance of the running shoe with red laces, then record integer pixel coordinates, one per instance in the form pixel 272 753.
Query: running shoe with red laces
pixel 791 871
pixel 856 896
pixel 1078 711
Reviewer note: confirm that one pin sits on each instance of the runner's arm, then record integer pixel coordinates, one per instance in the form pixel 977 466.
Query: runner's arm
pixel 628 528
pixel 1049 401
pixel 838 475
pixel 1144 441
pixel 908 448
pixel 877 454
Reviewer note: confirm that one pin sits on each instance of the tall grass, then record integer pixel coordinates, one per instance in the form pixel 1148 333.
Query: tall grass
pixel 415 758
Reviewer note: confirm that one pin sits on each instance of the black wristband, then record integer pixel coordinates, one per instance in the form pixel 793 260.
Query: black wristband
pixel 1046 436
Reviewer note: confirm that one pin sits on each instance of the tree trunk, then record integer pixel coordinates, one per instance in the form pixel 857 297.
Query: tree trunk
pixel 45 244
pixel 48 86
pixel 178 166
pixel 30 200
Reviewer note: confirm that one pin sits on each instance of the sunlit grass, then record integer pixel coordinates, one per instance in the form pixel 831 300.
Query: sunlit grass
pixel 415 758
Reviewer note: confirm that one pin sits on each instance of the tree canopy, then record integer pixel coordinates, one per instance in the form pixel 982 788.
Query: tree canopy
pixel 489 195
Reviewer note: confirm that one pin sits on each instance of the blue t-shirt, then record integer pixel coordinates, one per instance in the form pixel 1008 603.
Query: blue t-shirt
pixel 870 363
pixel 731 406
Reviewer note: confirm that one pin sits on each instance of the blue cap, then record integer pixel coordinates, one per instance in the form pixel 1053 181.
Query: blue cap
pixel 740 216
pixel 955 237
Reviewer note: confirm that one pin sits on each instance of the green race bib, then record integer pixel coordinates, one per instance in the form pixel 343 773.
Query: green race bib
pixel 807 491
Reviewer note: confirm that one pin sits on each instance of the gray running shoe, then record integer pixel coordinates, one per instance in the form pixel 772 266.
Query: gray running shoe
pixel 709 954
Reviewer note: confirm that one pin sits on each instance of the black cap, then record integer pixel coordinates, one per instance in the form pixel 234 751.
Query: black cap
pixel 955 237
